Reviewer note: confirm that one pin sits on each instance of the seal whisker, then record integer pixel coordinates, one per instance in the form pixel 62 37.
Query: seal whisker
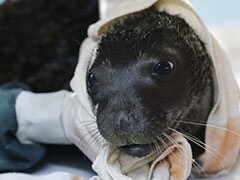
pixel 94 140
pixel 157 147
pixel 195 163
pixel 204 144
pixel 87 143
pixel 89 121
pixel 165 147
pixel 108 60
pixel 87 125
pixel 160 150
pixel 172 155
pixel 101 49
pixel 99 140
pixel 198 167
pixel 90 133
pixel 198 144
pixel 208 125
pixel 176 145
pixel 76 41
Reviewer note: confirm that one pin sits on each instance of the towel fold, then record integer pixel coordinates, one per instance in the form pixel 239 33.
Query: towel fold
pixel 174 163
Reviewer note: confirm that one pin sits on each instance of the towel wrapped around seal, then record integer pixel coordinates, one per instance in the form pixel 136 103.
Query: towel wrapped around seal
pixel 174 163
pixel 222 129
pixel 223 125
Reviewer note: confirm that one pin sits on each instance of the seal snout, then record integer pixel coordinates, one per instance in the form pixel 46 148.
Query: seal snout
pixel 138 150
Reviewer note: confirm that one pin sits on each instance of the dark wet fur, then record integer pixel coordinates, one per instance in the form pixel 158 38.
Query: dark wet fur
pixel 133 107
pixel 40 40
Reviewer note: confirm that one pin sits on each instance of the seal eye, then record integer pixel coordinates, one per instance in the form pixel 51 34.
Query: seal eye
pixel 91 83
pixel 163 68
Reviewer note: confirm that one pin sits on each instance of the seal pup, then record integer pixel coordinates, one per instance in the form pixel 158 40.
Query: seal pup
pixel 151 75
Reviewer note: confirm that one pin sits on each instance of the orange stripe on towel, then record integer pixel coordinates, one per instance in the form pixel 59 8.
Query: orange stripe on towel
pixel 177 166
pixel 227 143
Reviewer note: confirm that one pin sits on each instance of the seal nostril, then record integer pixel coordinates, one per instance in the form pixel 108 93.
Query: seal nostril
pixel 121 121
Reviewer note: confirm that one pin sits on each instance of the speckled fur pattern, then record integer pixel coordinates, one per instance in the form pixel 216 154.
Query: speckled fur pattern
pixel 40 40
pixel 126 45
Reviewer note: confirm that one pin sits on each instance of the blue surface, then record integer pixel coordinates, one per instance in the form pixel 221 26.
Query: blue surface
pixel 215 12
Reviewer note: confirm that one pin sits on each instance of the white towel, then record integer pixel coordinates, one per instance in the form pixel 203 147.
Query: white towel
pixel 174 163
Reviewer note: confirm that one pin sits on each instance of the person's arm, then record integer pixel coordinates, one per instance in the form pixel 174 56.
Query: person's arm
pixel 14 156
pixel 28 120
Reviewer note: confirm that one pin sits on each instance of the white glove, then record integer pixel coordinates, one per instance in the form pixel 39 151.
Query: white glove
pixel 56 118
pixel 39 117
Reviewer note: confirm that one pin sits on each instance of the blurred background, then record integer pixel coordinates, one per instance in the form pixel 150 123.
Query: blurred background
pixel 223 19
pixel 217 13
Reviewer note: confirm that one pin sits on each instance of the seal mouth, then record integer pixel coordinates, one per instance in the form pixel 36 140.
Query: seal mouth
pixel 138 150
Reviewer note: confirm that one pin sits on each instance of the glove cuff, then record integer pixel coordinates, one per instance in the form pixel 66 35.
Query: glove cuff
pixel 39 118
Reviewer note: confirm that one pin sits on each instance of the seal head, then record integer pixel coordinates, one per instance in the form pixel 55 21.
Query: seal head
pixel 152 75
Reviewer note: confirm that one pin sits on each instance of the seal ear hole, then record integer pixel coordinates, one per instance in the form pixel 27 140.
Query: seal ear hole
pixel 163 68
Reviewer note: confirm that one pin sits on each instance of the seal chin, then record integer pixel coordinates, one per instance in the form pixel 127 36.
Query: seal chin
pixel 138 150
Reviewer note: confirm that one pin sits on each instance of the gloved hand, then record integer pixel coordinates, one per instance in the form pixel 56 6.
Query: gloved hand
pixel 14 156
